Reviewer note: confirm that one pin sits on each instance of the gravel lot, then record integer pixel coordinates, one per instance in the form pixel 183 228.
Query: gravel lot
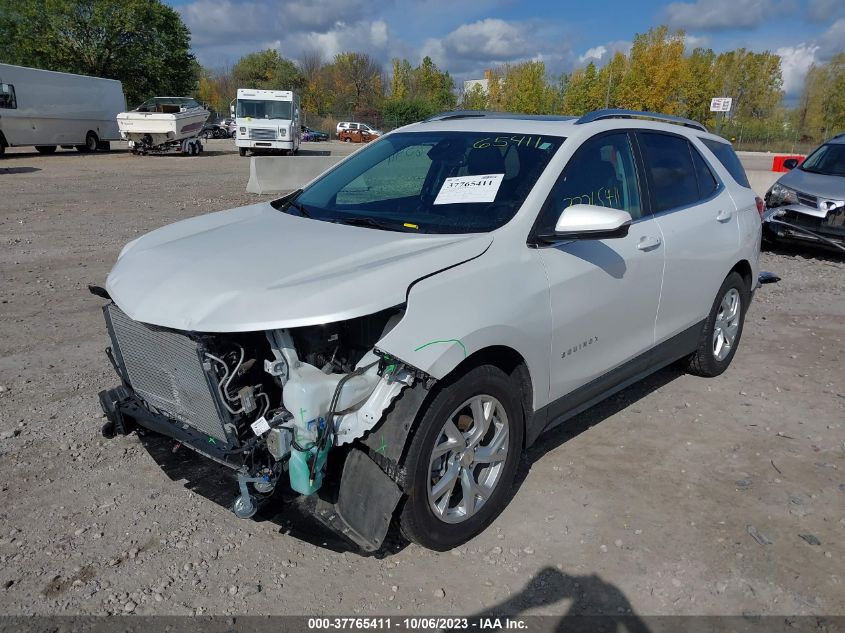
pixel 649 503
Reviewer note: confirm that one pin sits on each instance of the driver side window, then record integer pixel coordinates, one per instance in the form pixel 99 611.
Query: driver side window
pixel 602 173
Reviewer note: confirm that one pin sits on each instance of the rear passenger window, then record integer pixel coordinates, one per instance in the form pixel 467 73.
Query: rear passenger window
pixel 707 183
pixel 671 171
pixel 727 156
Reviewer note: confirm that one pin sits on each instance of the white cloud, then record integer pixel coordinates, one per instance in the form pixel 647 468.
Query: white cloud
pixel 370 38
pixel 832 40
pixel 222 29
pixel 471 48
pixel 825 10
pixel 795 61
pixel 594 54
pixel 720 15
pixel 694 41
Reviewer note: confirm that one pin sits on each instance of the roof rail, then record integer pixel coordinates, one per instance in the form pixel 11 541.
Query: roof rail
pixel 489 114
pixel 598 115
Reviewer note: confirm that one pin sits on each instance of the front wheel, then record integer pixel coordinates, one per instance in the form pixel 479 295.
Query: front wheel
pixel 463 459
pixel 722 329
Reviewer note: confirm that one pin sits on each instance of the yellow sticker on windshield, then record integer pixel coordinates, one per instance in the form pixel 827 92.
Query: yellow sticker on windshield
pixel 411 226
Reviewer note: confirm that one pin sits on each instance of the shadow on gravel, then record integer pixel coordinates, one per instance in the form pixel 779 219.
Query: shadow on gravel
pixel 59 154
pixel 18 170
pixel 809 252
pixel 596 605
pixel 217 483
pixel 573 427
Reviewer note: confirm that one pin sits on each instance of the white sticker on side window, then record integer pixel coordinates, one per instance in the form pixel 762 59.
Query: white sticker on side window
pixel 467 189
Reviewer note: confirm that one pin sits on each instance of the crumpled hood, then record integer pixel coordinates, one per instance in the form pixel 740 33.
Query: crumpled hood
pixel 256 268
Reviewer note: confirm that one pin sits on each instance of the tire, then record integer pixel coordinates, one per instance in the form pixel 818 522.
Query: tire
pixel 45 149
pixel 716 348
pixel 347 140
pixel 242 151
pixel 457 522
pixel 91 144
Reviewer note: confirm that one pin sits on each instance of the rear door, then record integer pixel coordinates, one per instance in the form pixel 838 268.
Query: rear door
pixel 698 220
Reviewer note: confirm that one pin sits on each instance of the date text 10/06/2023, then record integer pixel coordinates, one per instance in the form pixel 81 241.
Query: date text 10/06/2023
pixel 416 623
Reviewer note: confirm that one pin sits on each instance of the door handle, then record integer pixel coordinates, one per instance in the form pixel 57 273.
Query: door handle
pixel 724 216
pixel 648 243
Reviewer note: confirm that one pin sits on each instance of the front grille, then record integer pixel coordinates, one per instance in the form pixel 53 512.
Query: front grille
pixel 262 133
pixel 165 369
pixel 807 200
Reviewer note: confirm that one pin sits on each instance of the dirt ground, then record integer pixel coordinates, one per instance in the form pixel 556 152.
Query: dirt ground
pixel 647 504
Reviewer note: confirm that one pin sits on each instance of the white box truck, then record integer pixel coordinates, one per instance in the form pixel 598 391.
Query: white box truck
pixel 267 120
pixel 49 109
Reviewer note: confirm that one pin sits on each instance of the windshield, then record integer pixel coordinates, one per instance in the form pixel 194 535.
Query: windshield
pixel 259 109
pixel 167 104
pixel 828 160
pixel 430 182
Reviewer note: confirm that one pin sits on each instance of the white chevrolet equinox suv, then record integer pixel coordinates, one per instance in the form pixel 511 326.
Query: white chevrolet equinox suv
pixel 386 341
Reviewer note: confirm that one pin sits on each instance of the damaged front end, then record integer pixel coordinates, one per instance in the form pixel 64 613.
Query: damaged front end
pixel 287 407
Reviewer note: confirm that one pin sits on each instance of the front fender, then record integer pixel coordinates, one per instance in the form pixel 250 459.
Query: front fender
pixel 489 301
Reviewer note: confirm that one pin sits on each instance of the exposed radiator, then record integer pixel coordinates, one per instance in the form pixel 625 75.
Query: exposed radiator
pixel 165 369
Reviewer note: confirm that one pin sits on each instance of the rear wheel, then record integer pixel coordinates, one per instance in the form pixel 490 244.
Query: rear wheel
pixel 462 459
pixel 45 149
pixel 722 329
pixel 91 143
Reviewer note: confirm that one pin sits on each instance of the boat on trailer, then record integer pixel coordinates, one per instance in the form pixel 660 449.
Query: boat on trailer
pixel 164 123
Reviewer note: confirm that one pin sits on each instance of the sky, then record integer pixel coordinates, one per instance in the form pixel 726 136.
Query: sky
pixel 467 36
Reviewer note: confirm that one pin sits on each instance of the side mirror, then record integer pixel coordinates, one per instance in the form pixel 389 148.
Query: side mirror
pixel 4 89
pixel 790 163
pixel 589 222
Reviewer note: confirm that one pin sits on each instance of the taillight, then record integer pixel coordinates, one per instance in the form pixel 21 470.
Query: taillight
pixel 761 206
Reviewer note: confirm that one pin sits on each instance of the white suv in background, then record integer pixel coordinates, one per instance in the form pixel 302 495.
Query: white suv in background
pixel 349 125
pixel 389 339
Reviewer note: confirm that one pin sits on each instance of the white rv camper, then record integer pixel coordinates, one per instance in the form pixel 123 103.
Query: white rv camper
pixel 267 119
pixel 49 109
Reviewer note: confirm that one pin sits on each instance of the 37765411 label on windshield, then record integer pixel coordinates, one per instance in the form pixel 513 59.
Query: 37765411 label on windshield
pixel 469 189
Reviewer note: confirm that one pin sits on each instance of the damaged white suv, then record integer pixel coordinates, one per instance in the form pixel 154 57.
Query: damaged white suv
pixel 389 339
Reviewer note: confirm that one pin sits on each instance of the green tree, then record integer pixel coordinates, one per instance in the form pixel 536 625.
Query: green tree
pixel 355 82
pixel 269 71
pixel 400 82
pixel 142 43
pixel 656 72
pixel 700 85
pixel 582 91
pixel 475 98
pixel 753 80
pixel 397 112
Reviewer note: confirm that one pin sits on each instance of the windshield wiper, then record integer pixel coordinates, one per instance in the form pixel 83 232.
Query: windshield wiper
pixel 370 222
pixel 283 204
pixel 300 208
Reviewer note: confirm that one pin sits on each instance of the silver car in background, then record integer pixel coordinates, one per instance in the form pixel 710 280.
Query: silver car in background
pixel 807 204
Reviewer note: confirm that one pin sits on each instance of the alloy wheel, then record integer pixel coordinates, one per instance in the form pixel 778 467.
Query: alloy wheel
pixel 468 458
pixel 727 322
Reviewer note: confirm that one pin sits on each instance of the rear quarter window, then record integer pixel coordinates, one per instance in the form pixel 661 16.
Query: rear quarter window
pixel 730 161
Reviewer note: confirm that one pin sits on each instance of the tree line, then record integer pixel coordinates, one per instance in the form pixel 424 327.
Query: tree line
pixel 145 44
